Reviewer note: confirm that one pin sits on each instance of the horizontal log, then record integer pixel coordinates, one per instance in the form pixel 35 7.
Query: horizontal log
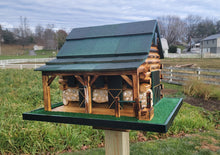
pixel 143 68
pixel 153 48
pixel 145 75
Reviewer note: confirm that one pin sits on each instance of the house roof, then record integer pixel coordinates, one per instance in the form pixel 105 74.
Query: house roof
pixel 106 48
pixel 215 36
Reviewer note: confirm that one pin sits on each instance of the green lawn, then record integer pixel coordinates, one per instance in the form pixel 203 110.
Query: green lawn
pixel 21 91
pixel 201 143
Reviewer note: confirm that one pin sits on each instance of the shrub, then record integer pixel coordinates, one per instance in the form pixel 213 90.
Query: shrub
pixel 197 88
pixel 172 49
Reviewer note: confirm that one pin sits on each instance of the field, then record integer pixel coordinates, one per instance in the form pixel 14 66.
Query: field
pixel 202 63
pixel 18 52
pixel 21 91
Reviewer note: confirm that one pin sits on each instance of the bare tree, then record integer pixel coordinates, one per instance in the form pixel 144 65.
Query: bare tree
pixel 192 22
pixel 24 33
pixel 172 28
pixel 39 34
pixel 49 37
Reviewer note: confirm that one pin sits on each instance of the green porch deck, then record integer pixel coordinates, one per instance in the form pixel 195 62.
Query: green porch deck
pixel 164 113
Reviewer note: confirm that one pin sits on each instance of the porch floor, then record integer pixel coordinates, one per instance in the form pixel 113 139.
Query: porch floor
pixel 98 108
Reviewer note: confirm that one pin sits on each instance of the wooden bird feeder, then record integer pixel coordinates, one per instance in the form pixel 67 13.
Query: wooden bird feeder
pixel 110 78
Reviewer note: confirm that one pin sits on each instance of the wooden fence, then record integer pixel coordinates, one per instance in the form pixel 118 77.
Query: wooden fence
pixel 20 66
pixel 177 75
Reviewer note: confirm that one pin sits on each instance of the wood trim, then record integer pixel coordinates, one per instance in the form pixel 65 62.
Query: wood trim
pixel 46 93
pixel 79 78
pixel 117 107
pixel 63 73
pixel 127 79
pixel 50 80
pixel 94 79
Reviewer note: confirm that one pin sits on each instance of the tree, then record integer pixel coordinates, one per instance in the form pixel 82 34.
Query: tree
pixel 39 34
pixel 61 37
pixel 172 28
pixel 217 28
pixel 24 33
pixel 8 37
pixel 205 28
pixel 192 22
pixel 49 37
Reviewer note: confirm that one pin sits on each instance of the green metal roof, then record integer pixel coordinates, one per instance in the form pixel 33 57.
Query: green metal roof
pixel 123 29
pixel 106 48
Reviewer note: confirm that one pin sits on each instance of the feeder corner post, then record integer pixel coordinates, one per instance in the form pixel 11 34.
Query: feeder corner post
pixel 46 92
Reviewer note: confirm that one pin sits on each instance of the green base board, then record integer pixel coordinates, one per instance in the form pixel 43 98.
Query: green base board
pixel 164 113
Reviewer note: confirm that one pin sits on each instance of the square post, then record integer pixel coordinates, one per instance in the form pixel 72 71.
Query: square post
pixel 117 142
pixel 117 107
pixel 135 79
pixel 46 92
pixel 88 95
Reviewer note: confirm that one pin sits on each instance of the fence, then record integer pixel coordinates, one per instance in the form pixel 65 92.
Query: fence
pixel 20 66
pixel 14 61
pixel 192 55
pixel 176 75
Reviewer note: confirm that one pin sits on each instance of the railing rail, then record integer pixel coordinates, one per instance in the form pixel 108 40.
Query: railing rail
pixel 177 75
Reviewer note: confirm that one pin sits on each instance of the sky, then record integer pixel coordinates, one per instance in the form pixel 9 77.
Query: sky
pixel 68 14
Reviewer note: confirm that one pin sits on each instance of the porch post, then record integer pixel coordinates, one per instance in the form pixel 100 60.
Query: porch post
pixel 46 92
pixel 135 79
pixel 88 95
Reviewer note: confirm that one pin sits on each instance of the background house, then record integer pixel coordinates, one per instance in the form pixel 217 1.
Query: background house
pixel 211 44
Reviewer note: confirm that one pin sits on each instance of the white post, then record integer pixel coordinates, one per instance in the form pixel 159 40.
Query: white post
pixel 117 142
pixel 198 73
pixel 171 75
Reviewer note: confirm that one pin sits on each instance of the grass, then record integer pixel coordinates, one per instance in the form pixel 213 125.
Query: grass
pixel 202 63
pixel 201 143
pixel 21 91
pixel 18 52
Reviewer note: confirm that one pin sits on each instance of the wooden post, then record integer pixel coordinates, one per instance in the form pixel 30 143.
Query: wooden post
pixel 46 91
pixel 117 107
pixel 198 73
pixel 135 78
pixel 88 95
pixel 117 142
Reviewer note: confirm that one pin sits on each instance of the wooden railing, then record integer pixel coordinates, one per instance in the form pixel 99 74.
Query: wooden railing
pixel 178 75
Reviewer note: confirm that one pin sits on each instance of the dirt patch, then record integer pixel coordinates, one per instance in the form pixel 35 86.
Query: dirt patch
pixel 211 105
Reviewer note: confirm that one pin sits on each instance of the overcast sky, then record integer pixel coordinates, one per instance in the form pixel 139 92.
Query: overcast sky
pixel 68 14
